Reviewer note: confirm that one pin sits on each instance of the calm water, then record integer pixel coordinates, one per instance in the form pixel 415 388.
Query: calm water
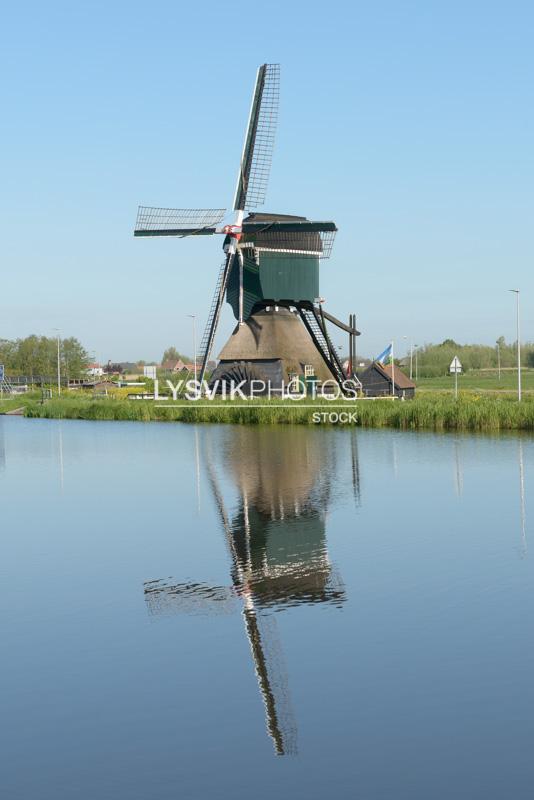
pixel 236 612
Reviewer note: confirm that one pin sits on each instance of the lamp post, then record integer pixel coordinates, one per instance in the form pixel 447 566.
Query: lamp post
pixel 193 317
pixel 408 338
pixel 58 364
pixel 516 292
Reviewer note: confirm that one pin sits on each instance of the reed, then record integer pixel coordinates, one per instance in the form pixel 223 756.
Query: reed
pixel 427 412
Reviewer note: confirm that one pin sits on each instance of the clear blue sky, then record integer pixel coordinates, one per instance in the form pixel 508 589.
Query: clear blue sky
pixel 411 124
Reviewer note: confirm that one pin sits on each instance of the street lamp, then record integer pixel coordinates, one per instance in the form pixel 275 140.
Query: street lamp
pixel 193 317
pixel 411 354
pixel 58 364
pixel 516 292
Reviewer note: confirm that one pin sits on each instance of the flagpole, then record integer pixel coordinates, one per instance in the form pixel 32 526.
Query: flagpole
pixel 392 370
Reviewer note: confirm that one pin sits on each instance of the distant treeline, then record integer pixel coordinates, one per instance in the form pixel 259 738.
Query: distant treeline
pixel 434 359
pixel 37 355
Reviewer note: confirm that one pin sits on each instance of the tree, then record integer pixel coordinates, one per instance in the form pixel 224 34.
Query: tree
pixel 37 356
pixel 434 360
pixel 74 357
pixel 172 354
pixel 8 351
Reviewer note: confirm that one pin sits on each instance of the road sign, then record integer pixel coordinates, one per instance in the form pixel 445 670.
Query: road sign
pixel 455 368
pixel 150 372
pixel 455 365
pixel 1 372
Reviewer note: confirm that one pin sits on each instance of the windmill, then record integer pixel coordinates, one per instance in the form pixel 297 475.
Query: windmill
pixel 270 272
pixel 276 541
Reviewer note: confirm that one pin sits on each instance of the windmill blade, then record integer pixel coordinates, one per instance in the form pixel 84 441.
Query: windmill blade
pixel 306 238
pixel 272 680
pixel 177 221
pixel 259 140
pixel 166 596
pixel 210 330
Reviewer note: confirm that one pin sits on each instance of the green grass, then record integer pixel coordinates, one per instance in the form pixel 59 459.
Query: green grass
pixel 480 381
pixel 8 403
pixel 428 411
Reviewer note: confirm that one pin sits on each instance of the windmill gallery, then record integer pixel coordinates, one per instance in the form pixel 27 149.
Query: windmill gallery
pixel 269 277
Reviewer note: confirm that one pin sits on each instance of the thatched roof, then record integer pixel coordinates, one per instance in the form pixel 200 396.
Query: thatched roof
pixel 401 380
pixel 275 335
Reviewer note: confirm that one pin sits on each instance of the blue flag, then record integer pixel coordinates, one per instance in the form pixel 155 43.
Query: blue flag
pixel 385 356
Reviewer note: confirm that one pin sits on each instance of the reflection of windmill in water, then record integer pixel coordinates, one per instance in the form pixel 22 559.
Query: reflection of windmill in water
pixel 277 543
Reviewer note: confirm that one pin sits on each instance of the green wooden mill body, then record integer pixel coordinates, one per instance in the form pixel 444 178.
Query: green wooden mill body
pixel 276 279
pixel 284 271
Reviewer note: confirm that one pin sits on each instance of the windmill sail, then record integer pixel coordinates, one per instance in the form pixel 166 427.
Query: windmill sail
pixel 177 221
pixel 259 140
pixel 215 312
pixel 165 597
pixel 271 674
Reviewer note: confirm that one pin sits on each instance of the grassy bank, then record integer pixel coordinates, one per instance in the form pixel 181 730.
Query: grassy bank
pixel 483 380
pixel 428 411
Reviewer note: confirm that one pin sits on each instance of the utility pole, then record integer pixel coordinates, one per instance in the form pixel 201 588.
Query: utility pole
pixel 416 366
pixel 499 360
pixel 516 292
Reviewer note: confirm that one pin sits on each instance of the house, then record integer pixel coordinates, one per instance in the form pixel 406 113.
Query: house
pixel 94 370
pixel 173 366
pixel 376 381
pixel 177 366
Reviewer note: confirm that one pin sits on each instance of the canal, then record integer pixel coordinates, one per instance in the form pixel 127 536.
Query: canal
pixel 292 612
